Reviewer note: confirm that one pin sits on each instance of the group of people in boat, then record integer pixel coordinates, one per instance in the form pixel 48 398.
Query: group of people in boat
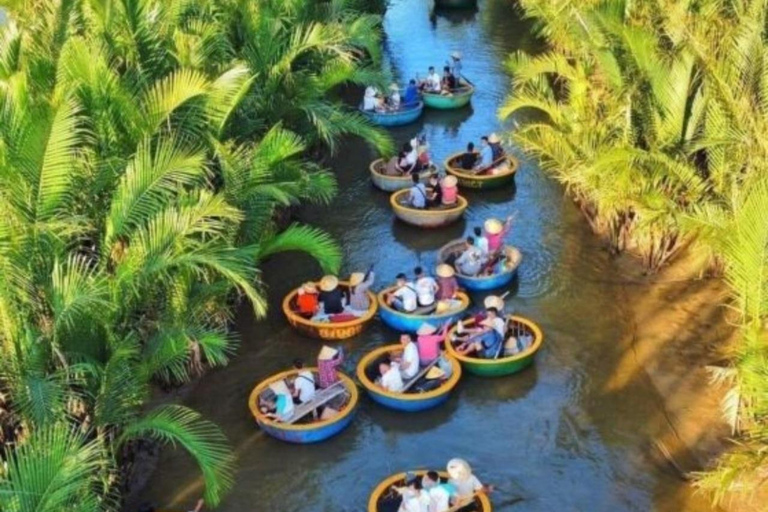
pixel 376 101
pixel 436 193
pixel 491 334
pixel 280 402
pixel 333 302
pixel 431 493
pixel 413 158
pixel 446 84
pixel 484 252
pixel 424 294
pixel 489 160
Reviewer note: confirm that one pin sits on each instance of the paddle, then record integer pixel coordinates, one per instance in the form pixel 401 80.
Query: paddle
pixel 467 80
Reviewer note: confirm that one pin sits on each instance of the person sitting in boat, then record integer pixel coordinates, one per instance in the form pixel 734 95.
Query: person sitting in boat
pixel 471 260
pixel 359 284
pixel 409 361
pixel 417 194
pixel 303 384
pixel 434 192
pixel 432 82
pixel 450 190
pixel 456 65
pixel 404 163
pixel 414 497
pixel 369 100
pixel 486 341
pixel 411 97
pixel 447 285
pixel 469 158
pixel 425 160
pixel 428 341
pixel 280 407
pixel 441 494
pixel 328 360
pixel 481 242
pixel 495 232
pixel 448 82
pixel 307 300
pixel 390 378
pixel 381 104
pixel 393 102
pixel 425 286
pixel 462 479
pixel 332 297
pixel 404 297
pixel 486 156
pixel 496 150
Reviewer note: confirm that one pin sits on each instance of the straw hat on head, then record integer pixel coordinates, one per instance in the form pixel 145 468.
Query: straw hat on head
pixel 494 301
pixel 327 353
pixel 426 328
pixel 492 226
pixel 394 87
pixel 456 55
pixel 458 469
pixel 356 278
pixel 494 139
pixel 445 270
pixel 329 283
pixel 434 373
pixel 450 181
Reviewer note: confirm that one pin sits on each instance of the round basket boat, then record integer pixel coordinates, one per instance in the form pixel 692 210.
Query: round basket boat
pixel 481 283
pixel 383 491
pixel 503 365
pixel 395 183
pixel 455 4
pixel 505 175
pixel 458 98
pixel 409 401
pixel 426 218
pixel 397 118
pixel 328 330
pixel 410 322
pixel 342 396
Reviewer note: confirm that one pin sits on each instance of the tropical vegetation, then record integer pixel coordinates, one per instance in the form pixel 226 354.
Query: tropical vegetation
pixel 149 151
pixel 654 116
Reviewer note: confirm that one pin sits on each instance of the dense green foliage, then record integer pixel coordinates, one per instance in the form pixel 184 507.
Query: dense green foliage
pixel 654 115
pixel 146 148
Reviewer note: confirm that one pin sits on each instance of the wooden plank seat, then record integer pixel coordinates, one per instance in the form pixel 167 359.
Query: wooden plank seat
pixel 322 397
pixel 422 372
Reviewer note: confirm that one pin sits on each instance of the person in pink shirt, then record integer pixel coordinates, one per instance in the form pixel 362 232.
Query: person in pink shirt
pixel 495 232
pixel 450 189
pixel 428 341
pixel 328 361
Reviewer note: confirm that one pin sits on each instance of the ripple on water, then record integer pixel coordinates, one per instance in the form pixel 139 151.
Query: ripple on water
pixel 538 273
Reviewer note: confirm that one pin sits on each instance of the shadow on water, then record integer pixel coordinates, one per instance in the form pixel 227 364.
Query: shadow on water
pixel 566 434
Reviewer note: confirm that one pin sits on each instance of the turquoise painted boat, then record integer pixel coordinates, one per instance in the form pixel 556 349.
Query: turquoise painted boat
pixel 513 258
pixel 458 98
pixel 408 401
pixel 397 118
pixel 410 322
pixel 395 183
pixel 501 366
pixel 343 397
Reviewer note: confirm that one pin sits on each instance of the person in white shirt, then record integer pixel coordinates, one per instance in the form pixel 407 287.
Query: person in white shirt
pixel 462 479
pixel 440 493
pixel 303 384
pixel 394 97
pixel 390 377
pixel 432 82
pixel 369 100
pixel 481 242
pixel 409 365
pixel 426 287
pixel 415 499
pixel 404 296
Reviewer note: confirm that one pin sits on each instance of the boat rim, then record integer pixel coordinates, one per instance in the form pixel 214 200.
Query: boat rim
pixel 463 203
pixel 253 403
pixel 349 323
pixel 537 342
pixel 465 91
pixel 463 296
pixel 419 105
pixel 444 389
pixel 385 484
pixel 514 163
pixel 474 278
pixel 372 167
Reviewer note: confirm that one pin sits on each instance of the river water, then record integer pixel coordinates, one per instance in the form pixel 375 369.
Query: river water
pixel 557 437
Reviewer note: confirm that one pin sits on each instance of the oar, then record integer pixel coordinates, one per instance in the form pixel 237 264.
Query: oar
pixel 467 80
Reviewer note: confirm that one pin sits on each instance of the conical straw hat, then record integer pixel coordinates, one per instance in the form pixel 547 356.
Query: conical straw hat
pixel 456 55
pixel 327 353
pixel 494 301
pixel 329 283
pixel 356 278
pixel 445 270
pixel 492 226
pixel 458 469
pixel 494 139
pixel 434 373
pixel 450 181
